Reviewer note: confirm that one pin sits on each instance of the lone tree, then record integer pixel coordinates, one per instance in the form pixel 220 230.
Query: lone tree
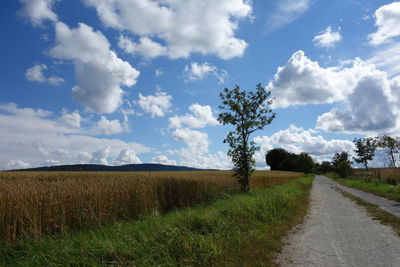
pixel 365 150
pixel 247 112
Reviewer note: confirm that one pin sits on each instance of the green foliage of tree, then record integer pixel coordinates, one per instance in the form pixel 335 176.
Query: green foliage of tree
pixel 247 112
pixel 305 163
pixel 325 167
pixel 342 164
pixel 391 145
pixel 282 160
pixel 275 157
pixel 365 150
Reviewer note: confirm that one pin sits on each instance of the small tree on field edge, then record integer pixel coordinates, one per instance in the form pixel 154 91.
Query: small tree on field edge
pixel 391 145
pixel 247 112
pixel 365 150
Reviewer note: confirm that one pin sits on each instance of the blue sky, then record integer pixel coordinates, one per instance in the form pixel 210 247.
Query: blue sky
pixel 130 81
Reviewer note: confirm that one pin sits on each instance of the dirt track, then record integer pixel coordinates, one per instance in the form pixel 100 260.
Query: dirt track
pixel 338 232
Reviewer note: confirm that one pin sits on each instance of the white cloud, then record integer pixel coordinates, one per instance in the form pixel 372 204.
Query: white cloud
pixel 157 105
pixel 38 10
pixel 71 119
pixel 159 72
pixel 99 72
pixel 370 97
pixel 84 157
pixel 127 156
pixel 195 154
pixel 54 80
pixel 302 81
pixel 145 47
pixel 105 126
pixel 197 71
pixel 372 108
pixel 201 117
pixel 387 58
pixel 287 11
pixel 100 156
pixel 197 141
pixel 33 136
pixel 51 162
pixel 162 159
pixel 206 27
pixel 327 38
pixel 297 140
pixel 36 74
pixel 388 21
pixel 16 164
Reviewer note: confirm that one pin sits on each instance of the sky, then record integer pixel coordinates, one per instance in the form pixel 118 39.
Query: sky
pixel 137 81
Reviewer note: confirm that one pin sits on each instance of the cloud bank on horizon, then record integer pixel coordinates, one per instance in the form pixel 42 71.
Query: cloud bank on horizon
pixel 124 82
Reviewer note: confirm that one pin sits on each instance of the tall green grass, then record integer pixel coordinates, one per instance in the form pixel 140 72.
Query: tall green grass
pixel 239 230
pixel 373 186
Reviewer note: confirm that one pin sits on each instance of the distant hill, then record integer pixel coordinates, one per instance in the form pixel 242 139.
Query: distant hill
pixel 123 168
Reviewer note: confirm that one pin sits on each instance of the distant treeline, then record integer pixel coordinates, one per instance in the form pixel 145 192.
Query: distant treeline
pixel 281 160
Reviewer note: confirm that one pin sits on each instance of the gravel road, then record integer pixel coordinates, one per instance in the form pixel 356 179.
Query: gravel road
pixel 338 232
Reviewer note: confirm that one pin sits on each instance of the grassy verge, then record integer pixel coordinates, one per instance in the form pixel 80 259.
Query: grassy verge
pixel 376 213
pixel 374 187
pixel 243 230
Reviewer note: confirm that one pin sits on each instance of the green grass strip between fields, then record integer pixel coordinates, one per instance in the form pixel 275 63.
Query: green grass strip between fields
pixel 240 230
pixel 374 187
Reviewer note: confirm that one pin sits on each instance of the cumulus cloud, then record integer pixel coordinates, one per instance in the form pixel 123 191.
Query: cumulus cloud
pixel 196 153
pixel 296 140
pixel 146 47
pixel 285 12
pixel 34 136
pixel 196 71
pixel 185 27
pixel 100 73
pixel 71 119
pixel 302 81
pixel 201 117
pixel 197 141
pixel 16 164
pixel 100 156
pixel 157 105
pixel 373 107
pixel 105 126
pixel 388 59
pixel 162 159
pixel 36 74
pixel 370 97
pixel 387 19
pixel 327 38
pixel 127 156
pixel 38 10
pixel 84 157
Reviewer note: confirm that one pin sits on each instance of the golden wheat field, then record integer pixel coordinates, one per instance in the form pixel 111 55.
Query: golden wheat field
pixel 388 175
pixel 33 204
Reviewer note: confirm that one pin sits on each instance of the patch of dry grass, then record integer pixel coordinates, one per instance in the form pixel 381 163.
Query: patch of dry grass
pixel 33 204
pixel 385 175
